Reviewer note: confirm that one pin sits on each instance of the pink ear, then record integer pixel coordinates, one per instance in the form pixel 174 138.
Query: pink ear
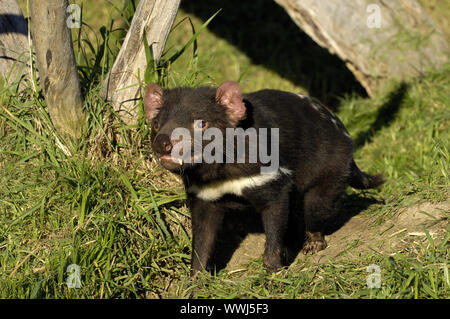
pixel 152 100
pixel 229 94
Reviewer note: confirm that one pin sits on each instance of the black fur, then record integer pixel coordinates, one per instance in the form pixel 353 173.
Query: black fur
pixel 314 145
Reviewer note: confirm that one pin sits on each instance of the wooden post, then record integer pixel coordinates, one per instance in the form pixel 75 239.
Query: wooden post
pixel 14 48
pixel 121 86
pixel 56 65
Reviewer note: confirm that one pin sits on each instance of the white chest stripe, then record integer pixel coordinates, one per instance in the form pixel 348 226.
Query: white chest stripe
pixel 236 186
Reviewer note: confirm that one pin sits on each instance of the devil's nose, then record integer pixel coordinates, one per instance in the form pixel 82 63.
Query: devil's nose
pixel 162 144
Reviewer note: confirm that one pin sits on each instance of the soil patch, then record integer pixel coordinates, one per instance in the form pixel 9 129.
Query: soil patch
pixel 360 235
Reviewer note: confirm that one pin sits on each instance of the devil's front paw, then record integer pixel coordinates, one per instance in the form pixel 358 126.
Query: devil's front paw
pixel 272 260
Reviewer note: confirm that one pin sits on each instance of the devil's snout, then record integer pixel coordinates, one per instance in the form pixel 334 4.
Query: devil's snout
pixel 162 144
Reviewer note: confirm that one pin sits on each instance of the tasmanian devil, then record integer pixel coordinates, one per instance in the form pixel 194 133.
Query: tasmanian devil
pixel 256 149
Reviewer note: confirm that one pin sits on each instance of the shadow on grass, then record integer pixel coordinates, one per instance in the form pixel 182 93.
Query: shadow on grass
pixel 266 34
pixel 386 114
pixel 237 225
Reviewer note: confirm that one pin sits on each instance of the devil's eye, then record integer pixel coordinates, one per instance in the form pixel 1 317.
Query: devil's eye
pixel 200 124
pixel 155 125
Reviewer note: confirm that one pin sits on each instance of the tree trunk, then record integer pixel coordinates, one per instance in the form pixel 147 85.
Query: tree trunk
pixel 122 87
pixel 378 40
pixel 14 48
pixel 56 64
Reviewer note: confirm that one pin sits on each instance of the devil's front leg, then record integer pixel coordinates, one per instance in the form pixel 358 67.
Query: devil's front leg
pixel 206 219
pixel 275 215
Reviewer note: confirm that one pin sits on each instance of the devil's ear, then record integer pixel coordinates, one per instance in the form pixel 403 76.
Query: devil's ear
pixel 152 101
pixel 229 95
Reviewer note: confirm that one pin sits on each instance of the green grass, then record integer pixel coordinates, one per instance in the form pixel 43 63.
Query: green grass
pixel 110 209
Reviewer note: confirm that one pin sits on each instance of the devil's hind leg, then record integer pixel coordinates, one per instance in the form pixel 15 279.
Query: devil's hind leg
pixel 320 208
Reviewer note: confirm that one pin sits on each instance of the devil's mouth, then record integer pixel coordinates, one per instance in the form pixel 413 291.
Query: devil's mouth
pixel 173 163
pixel 170 158
pixel 170 162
